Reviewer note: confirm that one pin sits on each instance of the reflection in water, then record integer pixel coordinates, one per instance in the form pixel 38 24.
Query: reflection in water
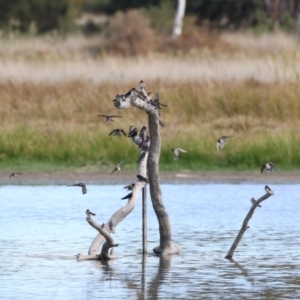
pixel 41 230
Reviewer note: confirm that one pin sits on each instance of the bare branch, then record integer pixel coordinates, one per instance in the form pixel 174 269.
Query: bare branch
pixel 245 226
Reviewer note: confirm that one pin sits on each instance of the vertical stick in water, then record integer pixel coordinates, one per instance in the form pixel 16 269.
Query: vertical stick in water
pixel 144 216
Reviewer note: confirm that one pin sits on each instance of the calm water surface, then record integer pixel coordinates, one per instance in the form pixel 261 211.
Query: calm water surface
pixel 42 228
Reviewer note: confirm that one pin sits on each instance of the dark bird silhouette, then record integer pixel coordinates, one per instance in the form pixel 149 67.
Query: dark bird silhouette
pixel 15 174
pixel 253 201
pixel 142 178
pixel 129 196
pixel 83 187
pixel 268 190
pixel 129 187
pixel 117 168
pixel 109 118
pixel 89 213
pixel 118 132
pixel 267 167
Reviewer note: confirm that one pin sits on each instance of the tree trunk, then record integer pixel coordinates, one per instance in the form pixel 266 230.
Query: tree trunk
pixel 177 28
pixel 245 226
pixel 139 100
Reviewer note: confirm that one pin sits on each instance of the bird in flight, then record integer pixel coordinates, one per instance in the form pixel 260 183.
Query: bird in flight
pixel 83 187
pixel 253 201
pixel 109 118
pixel 222 141
pixel 89 213
pixel 118 132
pixel 267 167
pixel 15 174
pixel 129 187
pixel 117 168
pixel 176 152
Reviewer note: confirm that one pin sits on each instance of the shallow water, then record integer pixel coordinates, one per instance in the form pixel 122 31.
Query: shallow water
pixel 42 228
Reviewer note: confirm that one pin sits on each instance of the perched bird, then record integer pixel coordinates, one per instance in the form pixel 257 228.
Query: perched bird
pixel 268 190
pixel 141 158
pixel 156 103
pixel 143 133
pixel 118 132
pixel 142 90
pixel 142 178
pixel 109 118
pixel 145 145
pixel 129 187
pixel 83 187
pixel 267 167
pixel 253 201
pixel 15 174
pixel 129 196
pixel 135 135
pixel 222 141
pixel 117 168
pixel 111 227
pixel 89 213
pixel 176 152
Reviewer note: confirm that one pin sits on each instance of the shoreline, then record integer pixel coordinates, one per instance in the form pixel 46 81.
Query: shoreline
pixel 126 177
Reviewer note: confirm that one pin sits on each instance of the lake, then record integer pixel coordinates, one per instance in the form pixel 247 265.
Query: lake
pixel 42 228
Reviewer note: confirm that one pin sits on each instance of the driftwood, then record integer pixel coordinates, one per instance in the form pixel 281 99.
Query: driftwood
pixel 115 219
pixel 245 226
pixel 139 100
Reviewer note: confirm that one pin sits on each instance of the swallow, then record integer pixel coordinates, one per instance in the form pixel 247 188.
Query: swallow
pixel 142 178
pixel 253 201
pixel 268 190
pixel 145 146
pixel 118 132
pixel 15 174
pixel 142 90
pixel 222 141
pixel 177 151
pixel 117 168
pixel 141 158
pixel 89 213
pixel 129 196
pixel 129 187
pixel 156 103
pixel 135 135
pixel 109 118
pixel 84 189
pixel 143 134
pixel 111 227
pixel 268 167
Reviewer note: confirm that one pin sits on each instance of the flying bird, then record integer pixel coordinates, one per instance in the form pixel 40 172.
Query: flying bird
pixel 253 201
pixel 267 167
pixel 89 213
pixel 176 152
pixel 222 141
pixel 15 174
pixel 117 168
pixel 109 118
pixel 118 132
pixel 129 187
pixel 129 196
pixel 142 178
pixel 83 187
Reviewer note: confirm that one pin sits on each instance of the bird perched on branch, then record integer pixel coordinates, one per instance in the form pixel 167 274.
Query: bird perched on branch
pixel 117 168
pixel 111 227
pixel 83 187
pixel 267 167
pixel 176 152
pixel 268 190
pixel 89 213
pixel 253 201
pixel 118 132
pixel 129 196
pixel 15 174
pixel 222 141
pixel 142 178
pixel 109 118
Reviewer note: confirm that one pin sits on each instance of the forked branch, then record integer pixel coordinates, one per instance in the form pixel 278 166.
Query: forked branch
pixel 245 226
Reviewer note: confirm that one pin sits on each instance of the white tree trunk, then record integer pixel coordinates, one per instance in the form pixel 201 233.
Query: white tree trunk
pixel 177 28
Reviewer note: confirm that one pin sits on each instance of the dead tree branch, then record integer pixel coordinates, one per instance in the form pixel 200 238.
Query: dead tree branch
pixel 245 226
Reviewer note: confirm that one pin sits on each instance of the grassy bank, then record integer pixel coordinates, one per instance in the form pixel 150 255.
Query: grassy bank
pixel 55 126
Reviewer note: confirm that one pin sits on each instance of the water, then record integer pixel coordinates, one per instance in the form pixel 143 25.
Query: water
pixel 42 228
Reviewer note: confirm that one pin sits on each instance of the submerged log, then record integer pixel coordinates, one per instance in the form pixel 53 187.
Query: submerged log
pixel 245 226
